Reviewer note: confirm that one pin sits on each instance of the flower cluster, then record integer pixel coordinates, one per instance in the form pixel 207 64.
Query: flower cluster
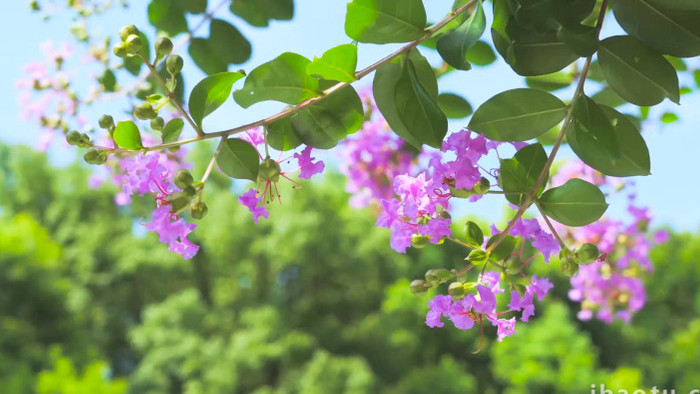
pixel 270 172
pixel 474 308
pixel 150 173
pixel 612 287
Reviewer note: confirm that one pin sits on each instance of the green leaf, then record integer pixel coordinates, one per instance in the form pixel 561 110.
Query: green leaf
pixel 581 39
pixel 519 174
pixel 127 135
pixel 417 110
pixel 172 130
pixel 259 12
pixel 576 203
pixel 454 106
pixel 194 6
pixel 550 82
pixel 454 47
pixel 590 120
pixel 336 64
pixel 504 249
pixel 168 16
pixel 481 54
pixel 210 93
pixel 225 45
pixel 518 115
pixel 239 159
pixel 607 96
pixel 669 117
pixel 385 82
pixel 322 124
pixel 696 76
pixel 572 12
pixel 633 158
pixel 638 74
pixel 678 4
pixel 282 79
pixel 385 21
pixel 474 236
pixel 672 32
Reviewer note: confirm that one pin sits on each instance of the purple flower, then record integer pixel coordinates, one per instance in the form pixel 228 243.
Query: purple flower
pixel 307 165
pixel 540 286
pixel 487 301
pixel 460 314
pixel 251 200
pixel 436 229
pixel 173 231
pixel 439 306
pixel 524 303
pixel 506 327
pixel 492 279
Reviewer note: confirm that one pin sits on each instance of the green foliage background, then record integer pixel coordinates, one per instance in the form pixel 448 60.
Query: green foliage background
pixel 313 301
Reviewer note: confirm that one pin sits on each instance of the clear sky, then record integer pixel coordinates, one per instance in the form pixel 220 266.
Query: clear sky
pixel 671 191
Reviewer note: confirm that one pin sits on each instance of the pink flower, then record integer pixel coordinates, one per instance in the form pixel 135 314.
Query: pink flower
pixel 307 165
pixel 252 201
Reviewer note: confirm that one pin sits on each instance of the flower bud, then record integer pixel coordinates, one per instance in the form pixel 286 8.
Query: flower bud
pixel 163 46
pixel 178 202
pixel 120 50
pixel 457 290
pixel 438 276
pixel 174 64
pixel 568 262
pixel 145 111
pixel 183 178
pixel 419 287
pixel 85 140
pixel 106 122
pixel 519 288
pixel 127 31
pixel 73 138
pixel 133 44
pixel 189 191
pixel 93 156
pixel 158 123
pixel 482 187
pixel 587 254
pixel 569 268
pixel 478 257
pixel 269 171
pixel 419 241
pixel 198 210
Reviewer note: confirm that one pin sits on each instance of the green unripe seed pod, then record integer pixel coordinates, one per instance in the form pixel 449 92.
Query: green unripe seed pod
pixel 183 179
pixel 106 122
pixel 269 171
pixel 178 202
pixel 73 138
pixel 513 265
pixel 419 241
pixel 145 111
pixel 127 31
pixel 92 156
pixel 85 140
pixel 198 210
pixel 163 46
pixel 519 288
pixel 120 50
pixel 587 254
pixel 569 267
pixel 189 191
pixel 133 44
pixel 438 276
pixel 457 290
pixel 158 123
pixel 174 64
pixel 419 287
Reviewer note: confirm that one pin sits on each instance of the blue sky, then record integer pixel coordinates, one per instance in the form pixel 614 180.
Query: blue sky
pixel 671 190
